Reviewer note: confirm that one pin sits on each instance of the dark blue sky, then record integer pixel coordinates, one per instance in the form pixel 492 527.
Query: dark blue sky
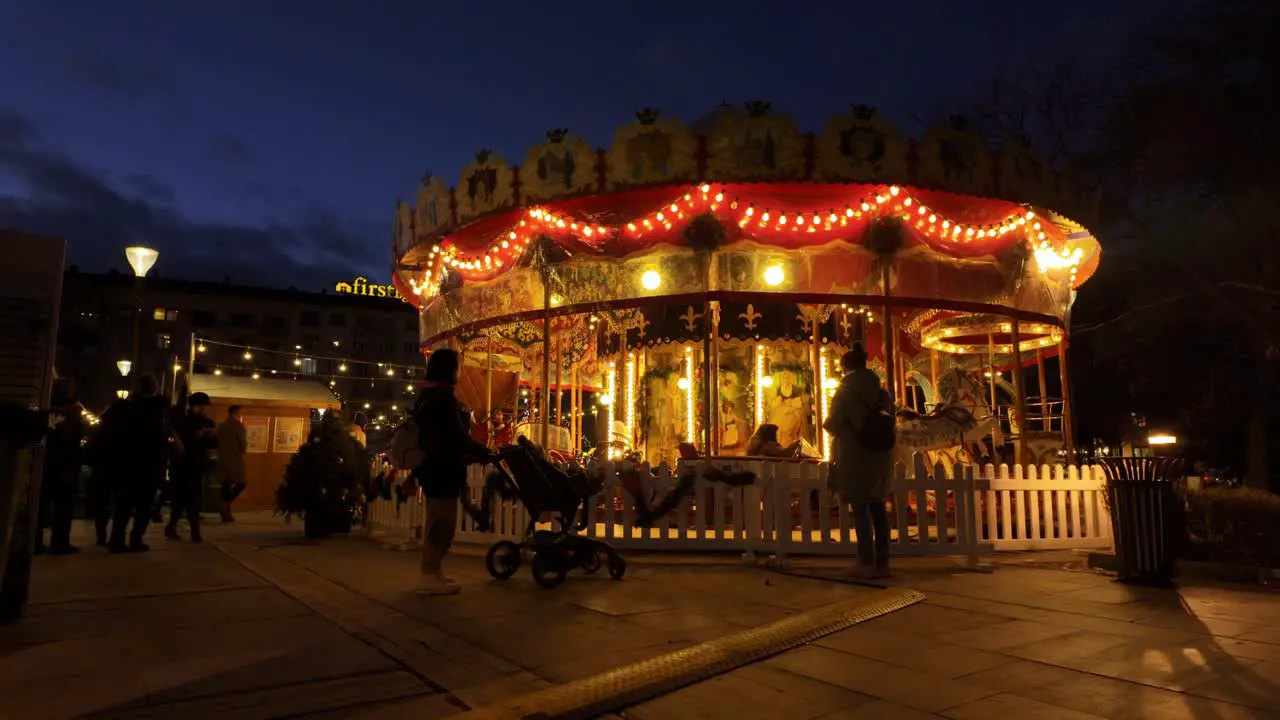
pixel 269 140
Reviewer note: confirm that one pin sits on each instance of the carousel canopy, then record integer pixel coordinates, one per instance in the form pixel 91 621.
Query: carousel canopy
pixel 810 216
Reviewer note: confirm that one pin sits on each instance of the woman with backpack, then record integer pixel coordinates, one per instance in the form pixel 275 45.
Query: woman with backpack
pixel 861 423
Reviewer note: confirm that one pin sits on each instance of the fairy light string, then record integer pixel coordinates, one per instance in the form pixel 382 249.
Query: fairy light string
pixel 506 248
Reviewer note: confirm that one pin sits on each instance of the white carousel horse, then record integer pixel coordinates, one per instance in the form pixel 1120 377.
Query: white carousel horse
pixel 959 422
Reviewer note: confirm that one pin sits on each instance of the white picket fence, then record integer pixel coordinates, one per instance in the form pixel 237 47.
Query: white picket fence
pixel 789 511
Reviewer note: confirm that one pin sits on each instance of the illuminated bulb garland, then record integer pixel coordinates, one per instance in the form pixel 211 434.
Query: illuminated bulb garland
pixel 759 385
pixel 887 200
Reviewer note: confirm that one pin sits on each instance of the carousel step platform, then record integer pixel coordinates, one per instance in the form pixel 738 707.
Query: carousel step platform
pixel 631 684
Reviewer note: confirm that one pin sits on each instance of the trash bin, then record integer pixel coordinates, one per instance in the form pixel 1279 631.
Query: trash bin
pixel 1145 517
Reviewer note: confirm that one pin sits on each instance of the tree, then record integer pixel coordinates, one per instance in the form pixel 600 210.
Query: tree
pixel 1180 322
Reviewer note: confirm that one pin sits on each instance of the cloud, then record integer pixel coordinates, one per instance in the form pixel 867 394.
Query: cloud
pixel 230 148
pixel 65 199
pixel 104 74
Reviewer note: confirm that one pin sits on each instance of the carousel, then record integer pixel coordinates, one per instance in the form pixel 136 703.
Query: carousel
pixel 688 285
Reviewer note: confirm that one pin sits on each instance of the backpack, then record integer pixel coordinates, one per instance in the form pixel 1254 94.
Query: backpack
pixel 879 431
pixel 405 452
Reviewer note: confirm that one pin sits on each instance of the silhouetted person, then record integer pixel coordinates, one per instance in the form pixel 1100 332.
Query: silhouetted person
pixel 860 474
pixel 198 439
pixel 442 475
pixel 61 480
pixel 233 442
pixel 141 453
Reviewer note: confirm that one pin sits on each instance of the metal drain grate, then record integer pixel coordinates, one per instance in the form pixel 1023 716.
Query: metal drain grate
pixel 625 686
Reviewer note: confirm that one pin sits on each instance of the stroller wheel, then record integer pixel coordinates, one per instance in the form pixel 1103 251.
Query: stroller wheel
pixel 549 568
pixel 617 567
pixel 503 559
pixel 592 563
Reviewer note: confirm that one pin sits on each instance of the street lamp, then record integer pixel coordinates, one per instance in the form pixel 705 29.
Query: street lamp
pixel 141 259
pixel 124 366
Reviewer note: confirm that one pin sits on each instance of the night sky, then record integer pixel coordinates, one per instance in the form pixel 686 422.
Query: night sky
pixel 268 141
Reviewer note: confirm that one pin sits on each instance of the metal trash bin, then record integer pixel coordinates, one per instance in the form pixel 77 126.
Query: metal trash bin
pixel 1145 517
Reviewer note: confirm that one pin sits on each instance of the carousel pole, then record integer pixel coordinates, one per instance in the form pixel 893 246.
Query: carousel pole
pixel 1043 386
pixel 707 379
pixel 815 358
pixel 714 378
pixel 544 392
pixel 560 387
pixel 488 385
pixel 890 381
pixel 933 374
pixel 1020 390
pixel 1068 427
pixel 991 382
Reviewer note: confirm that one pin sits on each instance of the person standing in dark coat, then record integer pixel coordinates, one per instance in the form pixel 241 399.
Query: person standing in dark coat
pixel 140 456
pixel 61 481
pixel 442 474
pixel 198 440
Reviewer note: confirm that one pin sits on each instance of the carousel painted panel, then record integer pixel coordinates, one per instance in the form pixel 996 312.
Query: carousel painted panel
pixel 564 165
pixel 653 150
pixel 431 212
pixel 485 186
pixel 861 147
pixel 755 145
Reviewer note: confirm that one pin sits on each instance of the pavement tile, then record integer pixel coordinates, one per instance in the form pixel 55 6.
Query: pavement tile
pixel 1015 706
pixel 286 701
pixel 907 687
pixel 1067 650
pixel 924 654
pixel 1006 635
pixel 878 710
pixel 1017 675
pixel 1122 700
pixel 751 692
pixel 425 707
pixel 1257 685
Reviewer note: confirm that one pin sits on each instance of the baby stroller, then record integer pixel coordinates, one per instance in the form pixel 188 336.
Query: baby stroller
pixel 543 488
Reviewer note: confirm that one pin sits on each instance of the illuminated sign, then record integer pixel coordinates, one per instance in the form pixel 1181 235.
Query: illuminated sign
pixel 360 286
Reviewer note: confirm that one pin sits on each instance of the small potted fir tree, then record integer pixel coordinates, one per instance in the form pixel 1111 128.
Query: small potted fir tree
pixel 323 480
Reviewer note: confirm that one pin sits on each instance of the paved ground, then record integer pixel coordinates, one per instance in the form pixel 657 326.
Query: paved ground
pixel 259 624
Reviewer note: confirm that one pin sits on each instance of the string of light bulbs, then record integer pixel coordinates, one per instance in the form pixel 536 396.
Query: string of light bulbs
pixel 885 200
pixel 390 369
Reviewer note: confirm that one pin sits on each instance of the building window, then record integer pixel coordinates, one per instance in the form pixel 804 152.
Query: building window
pixel 310 341
pixel 165 314
pixel 275 325
pixel 410 348
pixel 307 365
pixel 338 319
pixel 204 319
pixel 241 320
pixel 310 318
pixel 163 341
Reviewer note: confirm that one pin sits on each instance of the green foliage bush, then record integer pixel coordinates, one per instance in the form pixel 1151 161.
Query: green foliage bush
pixel 1234 525
pixel 326 476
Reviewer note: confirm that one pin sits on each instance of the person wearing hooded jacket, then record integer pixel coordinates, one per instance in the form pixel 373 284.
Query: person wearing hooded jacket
pixel 447 450
pixel 198 437
pixel 61 469
pixel 860 475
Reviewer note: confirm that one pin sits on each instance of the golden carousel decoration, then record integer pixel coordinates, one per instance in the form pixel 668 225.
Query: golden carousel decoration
pixel 699 284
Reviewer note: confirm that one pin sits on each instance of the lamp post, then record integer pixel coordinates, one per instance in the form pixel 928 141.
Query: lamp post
pixel 141 259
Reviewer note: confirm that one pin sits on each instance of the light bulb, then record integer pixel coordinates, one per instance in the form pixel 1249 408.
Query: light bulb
pixel 774 275
pixel 650 280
